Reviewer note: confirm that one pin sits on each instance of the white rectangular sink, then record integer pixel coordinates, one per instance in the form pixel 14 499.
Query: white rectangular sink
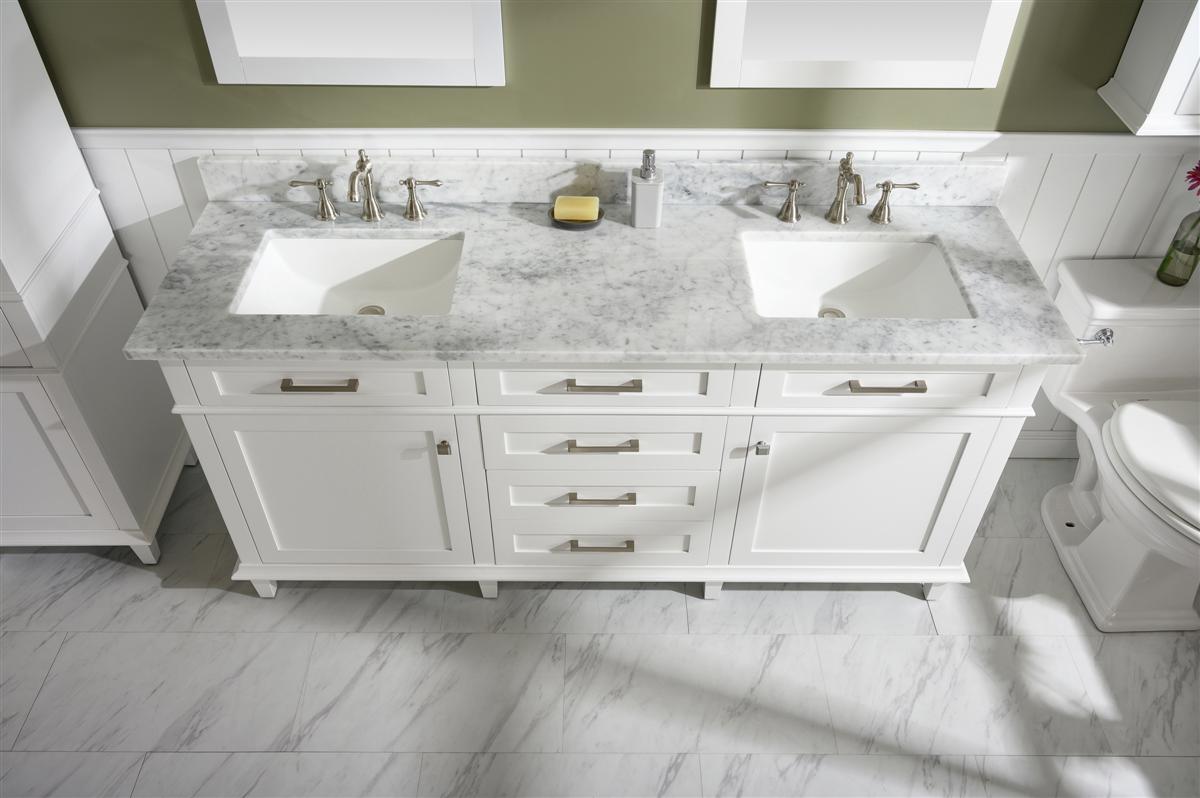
pixel 331 275
pixel 798 277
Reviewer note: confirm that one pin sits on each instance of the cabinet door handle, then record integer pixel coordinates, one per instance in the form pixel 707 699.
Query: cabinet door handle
pixel 633 445
pixel 625 500
pixel 632 386
pixel 762 447
pixel 443 447
pixel 287 385
pixel 627 546
pixel 916 386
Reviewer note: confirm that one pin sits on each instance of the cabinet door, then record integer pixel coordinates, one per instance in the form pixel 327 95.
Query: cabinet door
pixel 838 491
pixel 347 488
pixel 44 484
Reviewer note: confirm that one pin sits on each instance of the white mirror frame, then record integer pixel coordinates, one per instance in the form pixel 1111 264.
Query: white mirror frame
pixel 485 69
pixel 732 67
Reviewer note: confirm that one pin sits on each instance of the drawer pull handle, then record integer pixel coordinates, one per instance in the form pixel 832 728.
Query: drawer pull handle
pixel 633 445
pixel 627 546
pixel 632 386
pixel 916 386
pixel 625 500
pixel 286 385
pixel 443 447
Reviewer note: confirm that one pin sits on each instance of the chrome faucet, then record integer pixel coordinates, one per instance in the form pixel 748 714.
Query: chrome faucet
pixel 846 176
pixel 415 210
pixel 362 174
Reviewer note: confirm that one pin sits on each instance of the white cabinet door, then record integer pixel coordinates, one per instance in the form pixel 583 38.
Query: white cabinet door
pixel 323 488
pixel 838 491
pixel 44 484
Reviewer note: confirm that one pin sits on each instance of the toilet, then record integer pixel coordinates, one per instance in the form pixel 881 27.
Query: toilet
pixel 1127 527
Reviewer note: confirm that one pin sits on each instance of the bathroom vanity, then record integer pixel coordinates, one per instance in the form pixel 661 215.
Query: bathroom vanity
pixel 726 398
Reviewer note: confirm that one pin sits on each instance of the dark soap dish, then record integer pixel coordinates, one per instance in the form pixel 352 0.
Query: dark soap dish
pixel 565 225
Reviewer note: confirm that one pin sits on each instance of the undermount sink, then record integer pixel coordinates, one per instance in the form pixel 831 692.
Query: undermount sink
pixel 796 277
pixel 342 276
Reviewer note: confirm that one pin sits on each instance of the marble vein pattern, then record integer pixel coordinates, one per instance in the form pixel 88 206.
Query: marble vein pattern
pixel 60 774
pixel 694 693
pixel 560 775
pixel 446 693
pixel 275 775
pixel 25 659
pixel 526 291
pixel 1016 507
pixel 812 609
pixel 731 182
pixel 204 693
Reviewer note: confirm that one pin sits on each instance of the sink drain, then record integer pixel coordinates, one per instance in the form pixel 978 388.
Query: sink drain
pixel 370 310
pixel 831 313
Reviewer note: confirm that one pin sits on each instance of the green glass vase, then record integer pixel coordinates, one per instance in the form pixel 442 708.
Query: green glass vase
pixel 1180 261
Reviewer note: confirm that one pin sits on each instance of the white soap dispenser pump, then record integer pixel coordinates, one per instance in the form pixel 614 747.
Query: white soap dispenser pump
pixel 646 193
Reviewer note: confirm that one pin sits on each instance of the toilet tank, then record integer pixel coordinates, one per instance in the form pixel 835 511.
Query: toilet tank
pixel 1156 327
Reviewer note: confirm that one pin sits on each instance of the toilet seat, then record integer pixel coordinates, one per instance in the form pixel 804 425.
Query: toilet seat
pixel 1155 449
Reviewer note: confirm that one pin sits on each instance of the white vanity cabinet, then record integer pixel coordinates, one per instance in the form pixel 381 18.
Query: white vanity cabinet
pixel 554 472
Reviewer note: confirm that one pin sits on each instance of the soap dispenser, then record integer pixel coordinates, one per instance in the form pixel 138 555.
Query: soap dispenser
pixel 646 193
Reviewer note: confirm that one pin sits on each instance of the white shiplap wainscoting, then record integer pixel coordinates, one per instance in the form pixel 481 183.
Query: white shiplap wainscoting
pixel 1067 196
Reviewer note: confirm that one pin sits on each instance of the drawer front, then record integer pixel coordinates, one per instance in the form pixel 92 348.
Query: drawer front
pixel 605 387
pixel 615 498
pixel 782 387
pixel 311 385
pixel 588 543
pixel 603 442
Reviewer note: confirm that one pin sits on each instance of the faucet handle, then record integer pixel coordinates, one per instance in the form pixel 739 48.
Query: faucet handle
pixel 790 212
pixel 882 213
pixel 325 210
pixel 415 210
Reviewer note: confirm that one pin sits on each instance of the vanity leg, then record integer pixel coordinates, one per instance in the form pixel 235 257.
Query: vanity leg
pixel 266 588
pixel 147 554
pixel 489 589
pixel 712 590
pixel 933 590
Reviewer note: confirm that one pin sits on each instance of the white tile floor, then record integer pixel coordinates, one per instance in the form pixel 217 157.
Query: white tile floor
pixel 118 679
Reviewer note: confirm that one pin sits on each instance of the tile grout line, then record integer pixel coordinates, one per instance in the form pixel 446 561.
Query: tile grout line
pixel 138 777
pixel 38 695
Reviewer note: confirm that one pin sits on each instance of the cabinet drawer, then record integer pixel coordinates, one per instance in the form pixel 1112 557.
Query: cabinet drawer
pixel 540 541
pixel 917 387
pixel 602 442
pixel 605 387
pixel 309 384
pixel 605 497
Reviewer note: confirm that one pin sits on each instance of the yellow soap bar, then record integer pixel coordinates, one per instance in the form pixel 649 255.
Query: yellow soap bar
pixel 576 209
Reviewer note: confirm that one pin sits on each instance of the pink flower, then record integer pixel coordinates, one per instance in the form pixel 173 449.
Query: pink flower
pixel 1193 178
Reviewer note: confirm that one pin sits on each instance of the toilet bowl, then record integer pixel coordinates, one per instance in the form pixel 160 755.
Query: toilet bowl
pixel 1127 527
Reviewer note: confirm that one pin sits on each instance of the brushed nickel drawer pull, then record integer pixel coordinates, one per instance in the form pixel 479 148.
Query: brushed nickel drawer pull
pixel 624 500
pixel 443 447
pixel 916 386
pixel 627 546
pixel 633 445
pixel 632 386
pixel 286 385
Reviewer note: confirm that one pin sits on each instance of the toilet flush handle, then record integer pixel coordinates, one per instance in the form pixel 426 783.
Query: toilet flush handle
pixel 1103 337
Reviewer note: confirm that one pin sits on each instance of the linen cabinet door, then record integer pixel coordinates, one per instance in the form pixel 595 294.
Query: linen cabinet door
pixel 324 488
pixel 861 491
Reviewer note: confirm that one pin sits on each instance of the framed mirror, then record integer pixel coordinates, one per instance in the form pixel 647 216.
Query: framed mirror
pixel 889 44
pixel 355 42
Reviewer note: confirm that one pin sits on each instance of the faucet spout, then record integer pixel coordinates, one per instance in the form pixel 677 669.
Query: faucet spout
pixel 362 175
pixel 846 176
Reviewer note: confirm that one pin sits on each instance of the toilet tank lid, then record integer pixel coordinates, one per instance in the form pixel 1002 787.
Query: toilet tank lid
pixel 1127 289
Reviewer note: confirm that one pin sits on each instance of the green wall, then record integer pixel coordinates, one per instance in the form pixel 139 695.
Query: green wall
pixel 570 63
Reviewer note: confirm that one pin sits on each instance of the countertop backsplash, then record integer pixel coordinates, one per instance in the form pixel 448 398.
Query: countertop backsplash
pixel 527 180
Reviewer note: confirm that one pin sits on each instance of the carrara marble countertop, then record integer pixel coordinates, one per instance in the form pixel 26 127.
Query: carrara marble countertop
pixel 527 291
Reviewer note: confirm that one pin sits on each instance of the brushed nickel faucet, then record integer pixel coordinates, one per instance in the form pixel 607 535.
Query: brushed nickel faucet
pixel 325 210
pixel 846 176
pixel 790 212
pixel 415 210
pixel 362 174
pixel 882 213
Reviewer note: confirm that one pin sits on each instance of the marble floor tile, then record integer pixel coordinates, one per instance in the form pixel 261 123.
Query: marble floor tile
pixel 569 608
pixel 1146 689
pixel 279 775
pixel 169 692
pixel 192 509
pixel 831 775
pixel 560 775
pixel 1016 507
pixel 1087 777
pixel 694 693
pixel 25 774
pixel 438 693
pixel 958 695
pixel 25 659
pixel 1018 587
pixel 811 609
